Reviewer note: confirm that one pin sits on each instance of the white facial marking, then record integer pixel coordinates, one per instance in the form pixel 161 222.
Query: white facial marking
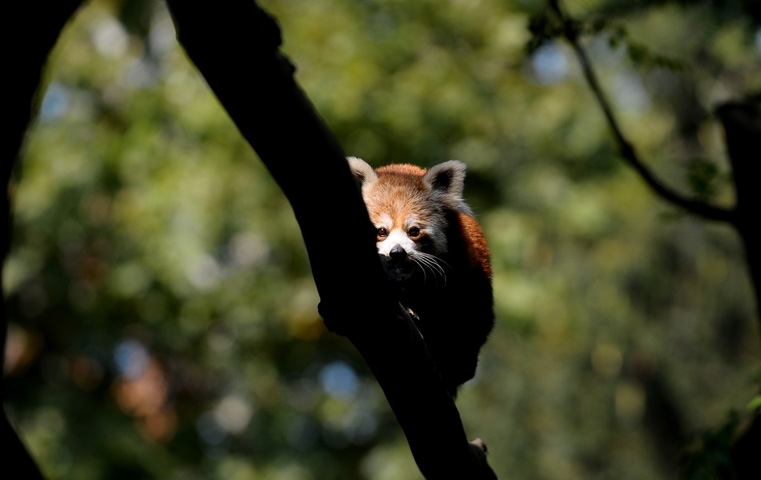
pixel 396 237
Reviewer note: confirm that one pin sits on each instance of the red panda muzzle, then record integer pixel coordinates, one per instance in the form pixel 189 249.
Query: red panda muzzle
pixel 398 266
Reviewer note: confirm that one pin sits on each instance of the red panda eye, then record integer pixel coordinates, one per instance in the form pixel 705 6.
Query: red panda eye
pixel 382 232
pixel 413 232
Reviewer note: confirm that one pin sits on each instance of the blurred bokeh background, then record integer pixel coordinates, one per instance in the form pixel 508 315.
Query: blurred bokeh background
pixel 163 319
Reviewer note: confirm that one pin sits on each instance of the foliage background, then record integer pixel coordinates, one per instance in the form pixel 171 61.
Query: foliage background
pixel 163 317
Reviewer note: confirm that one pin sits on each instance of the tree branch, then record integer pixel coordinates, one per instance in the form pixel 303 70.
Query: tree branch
pixel 235 46
pixel 626 149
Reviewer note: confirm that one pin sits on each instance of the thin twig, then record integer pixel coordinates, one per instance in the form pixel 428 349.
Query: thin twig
pixel 625 147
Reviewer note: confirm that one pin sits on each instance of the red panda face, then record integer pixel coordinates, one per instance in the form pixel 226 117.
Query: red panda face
pixel 408 207
pixel 410 229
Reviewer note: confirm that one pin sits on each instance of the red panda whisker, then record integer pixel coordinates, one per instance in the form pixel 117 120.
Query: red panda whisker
pixel 427 264
pixel 432 263
pixel 436 268
pixel 422 268
pixel 437 260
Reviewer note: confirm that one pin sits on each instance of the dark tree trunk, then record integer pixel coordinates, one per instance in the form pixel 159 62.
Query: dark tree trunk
pixel 742 128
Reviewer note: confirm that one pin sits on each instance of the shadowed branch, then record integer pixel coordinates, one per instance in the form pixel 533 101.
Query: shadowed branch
pixel 235 45
pixel 569 31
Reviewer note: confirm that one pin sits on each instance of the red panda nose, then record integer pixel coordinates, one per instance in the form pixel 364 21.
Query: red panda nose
pixel 397 253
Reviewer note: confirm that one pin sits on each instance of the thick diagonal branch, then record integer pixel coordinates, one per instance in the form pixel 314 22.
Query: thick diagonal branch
pixel 235 46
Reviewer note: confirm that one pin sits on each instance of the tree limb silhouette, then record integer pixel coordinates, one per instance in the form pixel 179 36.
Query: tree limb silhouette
pixel 235 46
pixel 742 128
pixel 569 31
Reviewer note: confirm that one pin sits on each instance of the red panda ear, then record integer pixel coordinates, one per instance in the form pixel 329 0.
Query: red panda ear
pixel 446 181
pixel 362 171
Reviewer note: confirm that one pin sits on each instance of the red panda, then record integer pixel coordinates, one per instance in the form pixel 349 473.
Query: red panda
pixel 436 256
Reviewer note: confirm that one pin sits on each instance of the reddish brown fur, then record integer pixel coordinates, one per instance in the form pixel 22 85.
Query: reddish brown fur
pixel 399 189
pixel 478 249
